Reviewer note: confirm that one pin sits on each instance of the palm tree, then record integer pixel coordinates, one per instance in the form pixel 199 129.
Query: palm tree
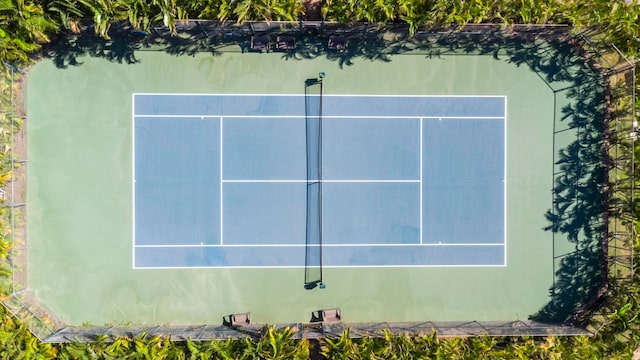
pixel 104 12
pixel 340 348
pixel 65 13
pixel 23 28
pixel 268 10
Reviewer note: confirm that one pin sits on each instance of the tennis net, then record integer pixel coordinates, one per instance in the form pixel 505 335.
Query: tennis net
pixel 313 118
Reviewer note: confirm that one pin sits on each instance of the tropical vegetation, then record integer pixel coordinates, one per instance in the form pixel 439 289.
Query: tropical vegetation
pixel 27 25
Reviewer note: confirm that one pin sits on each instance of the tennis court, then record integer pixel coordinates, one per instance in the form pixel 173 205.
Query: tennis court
pixel 221 181
pixel 181 189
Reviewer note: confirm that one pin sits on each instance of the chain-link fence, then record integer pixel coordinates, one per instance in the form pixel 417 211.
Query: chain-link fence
pixel 319 330
pixel 613 76
pixel 16 296
pixel 619 77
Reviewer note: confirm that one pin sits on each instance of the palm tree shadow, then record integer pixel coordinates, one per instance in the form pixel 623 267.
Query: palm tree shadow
pixel 576 215
pixel 68 50
pixel 124 42
pixel 579 206
pixel 364 42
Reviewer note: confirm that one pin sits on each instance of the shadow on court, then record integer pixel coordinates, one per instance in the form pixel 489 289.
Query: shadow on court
pixel 579 190
pixel 312 41
pixel 580 177
pixel 579 205
pixel 579 172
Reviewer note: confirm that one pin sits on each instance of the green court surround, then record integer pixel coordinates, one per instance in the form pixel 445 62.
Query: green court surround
pixel 80 194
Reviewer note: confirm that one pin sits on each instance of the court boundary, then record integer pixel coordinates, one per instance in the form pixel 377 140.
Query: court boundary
pixel 619 255
pixel 421 120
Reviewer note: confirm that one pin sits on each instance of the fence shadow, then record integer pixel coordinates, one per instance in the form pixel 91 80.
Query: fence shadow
pixel 577 214
pixel 579 207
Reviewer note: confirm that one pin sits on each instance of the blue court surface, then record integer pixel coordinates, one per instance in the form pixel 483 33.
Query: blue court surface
pixel 222 180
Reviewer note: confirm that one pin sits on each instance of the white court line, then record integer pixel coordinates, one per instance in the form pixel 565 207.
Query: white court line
pixel 324 266
pixel 221 184
pixel 504 118
pixel 325 95
pixel 310 245
pixel 324 117
pixel 133 182
pixel 504 186
pixel 421 178
pixel 364 181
